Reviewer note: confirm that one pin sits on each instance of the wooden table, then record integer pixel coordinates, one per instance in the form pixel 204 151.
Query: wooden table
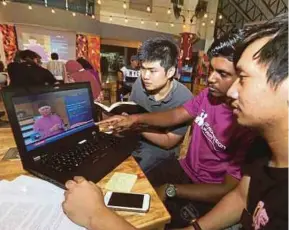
pixel 157 216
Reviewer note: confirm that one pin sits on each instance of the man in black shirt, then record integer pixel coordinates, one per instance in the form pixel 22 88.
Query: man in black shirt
pixel 29 72
pixel 260 100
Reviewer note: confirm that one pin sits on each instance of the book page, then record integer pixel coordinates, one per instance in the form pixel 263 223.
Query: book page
pixel 114 105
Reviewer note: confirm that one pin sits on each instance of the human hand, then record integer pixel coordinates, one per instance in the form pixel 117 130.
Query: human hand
pixel 118 123
pixel 55 127
pixel 83 201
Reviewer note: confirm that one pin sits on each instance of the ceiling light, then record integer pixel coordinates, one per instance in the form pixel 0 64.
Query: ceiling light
pixel 205 15
pixel 142 22
pixel 157 23
pixel 110 18
pixel 203 23
pixel 126 20
pixel 220 16
pixel 92 16
pixel 169 11
pixel 98 2
pixel 212 21
pixel 4 3
pixel 30 7
pixel 73 14
pixel 148 9
pixel 172 25
pixel 53 11
pixel 124 5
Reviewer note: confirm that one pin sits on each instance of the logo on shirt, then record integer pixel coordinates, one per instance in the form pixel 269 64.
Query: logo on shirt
pixel 260 217
pixel 208 131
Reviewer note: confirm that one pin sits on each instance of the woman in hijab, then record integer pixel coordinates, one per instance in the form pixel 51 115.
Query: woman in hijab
pixel 76 73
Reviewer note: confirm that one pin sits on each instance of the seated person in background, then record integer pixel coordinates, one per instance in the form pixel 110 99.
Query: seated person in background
pixel 29 71
pixel 260 200
pixel 87 66
pixel 49 124
pixel 156 91
pixel 128 75
pixel 57 68
pixel 217 149
pixel 76 73
pixel 4 79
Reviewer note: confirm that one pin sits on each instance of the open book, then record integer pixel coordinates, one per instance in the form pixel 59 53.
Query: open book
pixel 128 107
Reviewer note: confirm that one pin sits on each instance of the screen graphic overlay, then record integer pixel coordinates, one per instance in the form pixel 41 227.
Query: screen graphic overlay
pixel 48 117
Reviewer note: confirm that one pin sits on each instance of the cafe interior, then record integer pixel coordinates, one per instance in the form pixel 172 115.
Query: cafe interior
pixel 86 52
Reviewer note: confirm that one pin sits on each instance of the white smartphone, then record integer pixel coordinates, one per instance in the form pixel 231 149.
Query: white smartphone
pixel 133 202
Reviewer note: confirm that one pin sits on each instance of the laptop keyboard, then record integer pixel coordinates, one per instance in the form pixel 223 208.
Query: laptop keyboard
pixel 69 160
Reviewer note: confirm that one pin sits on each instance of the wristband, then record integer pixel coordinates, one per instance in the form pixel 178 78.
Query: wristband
pixel 195 224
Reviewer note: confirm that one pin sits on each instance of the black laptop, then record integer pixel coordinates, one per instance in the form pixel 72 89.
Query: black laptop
pixel 56 136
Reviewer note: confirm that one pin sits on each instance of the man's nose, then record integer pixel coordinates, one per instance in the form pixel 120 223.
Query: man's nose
pixel 233 90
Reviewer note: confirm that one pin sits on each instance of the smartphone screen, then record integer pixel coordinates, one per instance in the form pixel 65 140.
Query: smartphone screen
pixel 126 200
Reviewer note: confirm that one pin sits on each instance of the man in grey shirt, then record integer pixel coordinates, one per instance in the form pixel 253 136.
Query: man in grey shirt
pixel 156 90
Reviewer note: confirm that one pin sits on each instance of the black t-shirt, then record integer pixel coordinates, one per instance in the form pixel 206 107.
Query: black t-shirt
pixel 267 202
pixel 29 74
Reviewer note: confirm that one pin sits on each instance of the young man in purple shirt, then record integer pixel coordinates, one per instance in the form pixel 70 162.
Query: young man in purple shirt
pixel 49 124
pixel 211 167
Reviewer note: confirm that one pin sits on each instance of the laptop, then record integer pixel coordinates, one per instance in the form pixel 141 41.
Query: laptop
pixel 57 139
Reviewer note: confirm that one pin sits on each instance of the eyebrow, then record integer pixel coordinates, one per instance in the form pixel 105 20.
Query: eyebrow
pixel 150 68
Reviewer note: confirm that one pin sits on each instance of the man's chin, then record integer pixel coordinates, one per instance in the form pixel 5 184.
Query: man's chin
pixel 215 93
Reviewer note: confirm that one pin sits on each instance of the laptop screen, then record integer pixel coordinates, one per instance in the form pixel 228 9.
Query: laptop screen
pixel 48 117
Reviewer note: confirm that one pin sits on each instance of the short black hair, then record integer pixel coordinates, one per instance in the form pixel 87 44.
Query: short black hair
pixel 43 103
pixel 161 49
pixel 28 55
pixel 225 46
pixel 84 63
pixel 54 56
pixel 275 52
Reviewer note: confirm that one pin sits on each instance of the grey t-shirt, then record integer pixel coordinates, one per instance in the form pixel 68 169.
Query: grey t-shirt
pixel 178 95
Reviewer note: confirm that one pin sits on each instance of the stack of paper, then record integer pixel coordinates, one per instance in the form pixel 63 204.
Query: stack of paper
pixel 28 203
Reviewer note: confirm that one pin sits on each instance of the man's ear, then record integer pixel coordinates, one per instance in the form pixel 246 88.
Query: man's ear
pixel 171 72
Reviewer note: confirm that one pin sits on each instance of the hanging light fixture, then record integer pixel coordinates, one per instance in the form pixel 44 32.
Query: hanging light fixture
pixel 142 22
pixel 92 16
pixel 126 20
pixel 110 18
pixel 124 5
pixel 169 11
pixel 53 11
pixel 98 2
pixel 220 16
pixel 73 14
pixel 205 15
pixel 157 23
pixel 30 7
pixel 172 25
pixel 203 23
pixel 4 3
pixel 212 21
pixel 148 9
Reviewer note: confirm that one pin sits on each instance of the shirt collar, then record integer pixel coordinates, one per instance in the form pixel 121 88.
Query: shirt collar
pixel 167 98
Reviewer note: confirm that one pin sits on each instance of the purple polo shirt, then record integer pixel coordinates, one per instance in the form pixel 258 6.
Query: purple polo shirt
pixel 44 124
pixel 218 143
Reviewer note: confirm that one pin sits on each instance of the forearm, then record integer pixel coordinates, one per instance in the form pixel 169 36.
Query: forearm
pixel 203 192
pixel 162 140
pixel 107 219
pixel 226 213
pixel 168 118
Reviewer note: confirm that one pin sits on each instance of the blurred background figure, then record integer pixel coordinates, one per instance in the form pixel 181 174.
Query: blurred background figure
pixel 57 68
pixel 76 73
pixel 28 71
